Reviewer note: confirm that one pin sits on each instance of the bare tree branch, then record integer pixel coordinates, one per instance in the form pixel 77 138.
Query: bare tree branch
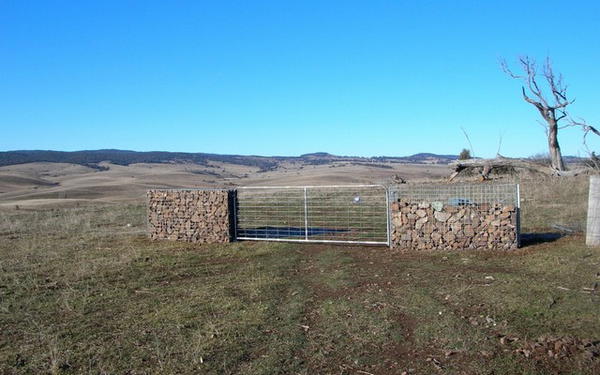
pixel 468 140
pixel 534 94
pixel 499 145
pixel 506 69
pixel 587 128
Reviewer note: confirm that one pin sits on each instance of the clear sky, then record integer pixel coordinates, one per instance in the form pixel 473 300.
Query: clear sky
pixel 364 78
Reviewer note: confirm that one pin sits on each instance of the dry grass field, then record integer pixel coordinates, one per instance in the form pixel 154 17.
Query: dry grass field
pixel 82 290
pixel 43 184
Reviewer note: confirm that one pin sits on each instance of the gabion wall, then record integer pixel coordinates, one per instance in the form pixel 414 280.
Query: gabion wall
pixel 202 216
pixel 442 226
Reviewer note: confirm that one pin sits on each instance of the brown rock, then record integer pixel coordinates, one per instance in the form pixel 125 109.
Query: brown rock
pixel 508 208
pixel 419 223
pixel 421 213
pixel 456 226
pixel 449 237
pixel 442 216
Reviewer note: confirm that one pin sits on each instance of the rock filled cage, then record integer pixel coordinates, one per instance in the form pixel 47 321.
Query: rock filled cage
pixel 453 217
pixel 191 215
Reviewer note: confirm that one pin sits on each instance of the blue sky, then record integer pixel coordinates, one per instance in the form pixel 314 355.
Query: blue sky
pixel 361 78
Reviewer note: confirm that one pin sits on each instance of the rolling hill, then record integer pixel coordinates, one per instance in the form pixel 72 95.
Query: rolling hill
pixel 92 158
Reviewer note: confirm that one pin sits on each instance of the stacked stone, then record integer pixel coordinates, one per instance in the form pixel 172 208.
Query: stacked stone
pixel 437 226
pixel 201 216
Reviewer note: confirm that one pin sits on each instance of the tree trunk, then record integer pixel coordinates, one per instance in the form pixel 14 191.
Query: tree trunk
pixel 485 166
pixel 556 160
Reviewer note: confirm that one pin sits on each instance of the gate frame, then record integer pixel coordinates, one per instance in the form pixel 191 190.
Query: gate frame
pixel 306 239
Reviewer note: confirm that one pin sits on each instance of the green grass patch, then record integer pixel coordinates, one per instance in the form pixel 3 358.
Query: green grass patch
pixel 82 290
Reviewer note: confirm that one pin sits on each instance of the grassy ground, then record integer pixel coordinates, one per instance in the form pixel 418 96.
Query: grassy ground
pixel 83 291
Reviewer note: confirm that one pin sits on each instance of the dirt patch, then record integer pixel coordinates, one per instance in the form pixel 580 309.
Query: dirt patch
pixel 355 292
pixel 555 351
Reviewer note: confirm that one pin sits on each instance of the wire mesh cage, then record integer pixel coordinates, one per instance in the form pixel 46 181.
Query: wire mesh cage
pixel 455 216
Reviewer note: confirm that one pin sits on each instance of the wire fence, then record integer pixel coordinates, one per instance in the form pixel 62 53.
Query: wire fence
pixel 458 195
pixel 554 204
pixel 544 205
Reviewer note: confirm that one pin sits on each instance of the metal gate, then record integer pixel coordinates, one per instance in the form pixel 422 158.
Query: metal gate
pixel 340 214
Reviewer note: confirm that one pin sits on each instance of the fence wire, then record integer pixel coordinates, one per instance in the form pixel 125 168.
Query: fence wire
pixel 458 195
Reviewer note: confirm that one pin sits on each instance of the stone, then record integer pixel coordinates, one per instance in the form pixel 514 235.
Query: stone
pixel 483 207
pixel 419 223
pixel 508 208
pixel 449 237
pixel 421 213
pixel 437 206
pixel 442 216
pixel 456 226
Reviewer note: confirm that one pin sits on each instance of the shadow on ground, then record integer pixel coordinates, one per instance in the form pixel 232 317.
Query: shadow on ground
pixel 530 239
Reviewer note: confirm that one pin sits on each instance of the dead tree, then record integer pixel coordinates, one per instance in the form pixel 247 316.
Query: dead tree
pixel 484 167
pixel 551 108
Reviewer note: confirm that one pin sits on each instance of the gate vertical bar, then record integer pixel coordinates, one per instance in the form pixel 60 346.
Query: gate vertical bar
pixel 388 211
pixel 518 208
pixel 235 215
pixel 305 215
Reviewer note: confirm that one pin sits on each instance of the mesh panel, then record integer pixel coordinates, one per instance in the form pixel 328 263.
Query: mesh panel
pixel 315 214
pixel 457 195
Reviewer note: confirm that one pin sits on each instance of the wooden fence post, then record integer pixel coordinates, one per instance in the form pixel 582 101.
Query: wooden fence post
pixel 592 237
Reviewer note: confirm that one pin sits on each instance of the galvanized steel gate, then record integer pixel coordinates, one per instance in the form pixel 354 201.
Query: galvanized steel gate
pixel 339 214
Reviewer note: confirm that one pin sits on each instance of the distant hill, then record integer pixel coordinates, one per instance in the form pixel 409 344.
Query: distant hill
pixel 92 158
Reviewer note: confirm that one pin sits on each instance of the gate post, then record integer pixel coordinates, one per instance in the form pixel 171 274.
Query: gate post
pixel 592 236
pixel 233 224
